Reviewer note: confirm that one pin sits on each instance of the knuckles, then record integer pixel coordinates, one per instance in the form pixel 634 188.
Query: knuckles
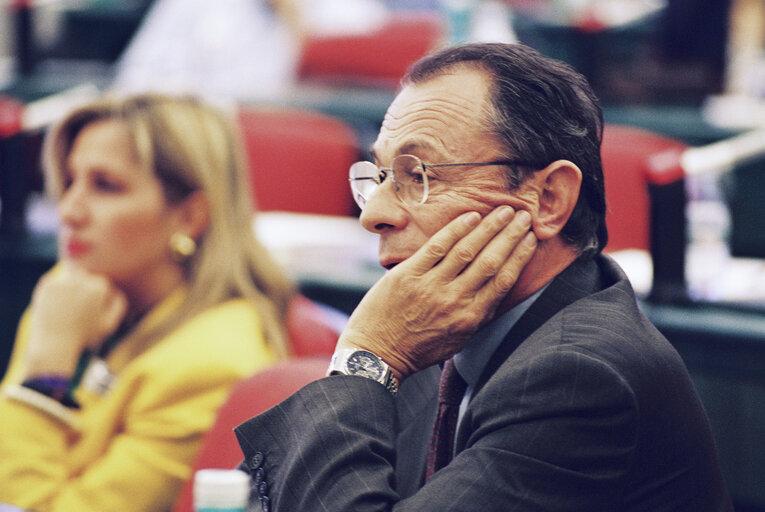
pixel 437 249
pixel 463 254
pixel 488 264
pixel 504 280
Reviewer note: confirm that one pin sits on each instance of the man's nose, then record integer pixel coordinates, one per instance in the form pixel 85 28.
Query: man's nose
pixel 384 211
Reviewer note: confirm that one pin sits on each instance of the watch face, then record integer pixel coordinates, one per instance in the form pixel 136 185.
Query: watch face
pixel 365 364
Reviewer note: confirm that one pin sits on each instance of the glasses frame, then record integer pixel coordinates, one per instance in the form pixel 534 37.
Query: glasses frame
pixel 384 172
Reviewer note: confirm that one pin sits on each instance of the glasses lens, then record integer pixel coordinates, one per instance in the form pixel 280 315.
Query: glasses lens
pixel 411 181
pixel 364 181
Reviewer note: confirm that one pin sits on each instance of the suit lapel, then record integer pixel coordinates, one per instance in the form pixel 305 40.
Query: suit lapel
pixel 580 279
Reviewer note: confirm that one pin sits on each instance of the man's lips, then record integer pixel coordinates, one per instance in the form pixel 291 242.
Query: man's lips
pixel 389 256
pixel 389 263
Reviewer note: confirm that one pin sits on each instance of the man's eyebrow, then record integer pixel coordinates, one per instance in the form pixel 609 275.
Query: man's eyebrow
pixel 410 147
pixel 414 146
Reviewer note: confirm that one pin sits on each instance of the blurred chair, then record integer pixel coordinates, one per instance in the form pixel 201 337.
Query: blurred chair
pixel 645 194
pixel 298 159
pixel 313 334
pixel 379 58
pixel 250 397
pixel 312 328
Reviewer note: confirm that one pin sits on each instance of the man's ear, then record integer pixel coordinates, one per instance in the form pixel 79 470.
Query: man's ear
pixel 560 183
pixel 193 214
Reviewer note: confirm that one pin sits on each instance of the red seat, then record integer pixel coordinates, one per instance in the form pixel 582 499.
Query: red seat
pixel 313 336
pixel 633 159
pixel 379 58
pixel 249 398
pixel 298 160
pixel 310 329
pixel 11 116
pixel 645 197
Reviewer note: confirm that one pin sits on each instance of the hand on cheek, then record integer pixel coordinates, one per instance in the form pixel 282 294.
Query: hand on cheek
pixel 426 308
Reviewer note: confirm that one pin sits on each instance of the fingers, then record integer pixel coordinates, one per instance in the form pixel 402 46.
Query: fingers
pixel 492 246
pixel 442 242
pixel 482 252
pixel 504 278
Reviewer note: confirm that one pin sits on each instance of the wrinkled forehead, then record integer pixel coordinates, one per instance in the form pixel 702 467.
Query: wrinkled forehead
pixel 445 113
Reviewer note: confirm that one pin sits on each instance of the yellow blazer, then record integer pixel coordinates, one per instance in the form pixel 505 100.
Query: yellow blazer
pixel 134 445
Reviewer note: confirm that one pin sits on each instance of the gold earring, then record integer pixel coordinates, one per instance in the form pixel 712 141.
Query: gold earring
pixel 182 247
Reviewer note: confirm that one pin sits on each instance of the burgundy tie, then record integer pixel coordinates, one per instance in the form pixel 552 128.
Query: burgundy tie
pixel 450 391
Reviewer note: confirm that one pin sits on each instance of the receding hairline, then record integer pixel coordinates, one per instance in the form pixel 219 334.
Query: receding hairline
pixel 487 109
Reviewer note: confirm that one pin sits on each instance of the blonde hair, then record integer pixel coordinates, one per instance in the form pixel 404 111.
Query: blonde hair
pixel 192 146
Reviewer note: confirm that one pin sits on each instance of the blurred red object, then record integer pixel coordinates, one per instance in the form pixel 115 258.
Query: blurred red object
pixel 310 329
pixel 11 116
pixel 379 58
pixel 299 160
pixel 249 398
pixel 633 159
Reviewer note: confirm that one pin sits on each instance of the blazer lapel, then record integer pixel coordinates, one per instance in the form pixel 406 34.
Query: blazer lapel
pixel 580 279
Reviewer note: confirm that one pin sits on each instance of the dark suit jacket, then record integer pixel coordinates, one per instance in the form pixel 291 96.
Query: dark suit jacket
pixel 584 407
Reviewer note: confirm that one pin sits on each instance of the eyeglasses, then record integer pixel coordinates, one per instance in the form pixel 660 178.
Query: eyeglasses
pixel 409 177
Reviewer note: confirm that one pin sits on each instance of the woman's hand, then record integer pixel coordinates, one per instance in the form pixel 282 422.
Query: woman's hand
pixel 71 310
pixel 426 308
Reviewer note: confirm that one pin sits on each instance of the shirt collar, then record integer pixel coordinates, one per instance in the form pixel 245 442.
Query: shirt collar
pixel 471 361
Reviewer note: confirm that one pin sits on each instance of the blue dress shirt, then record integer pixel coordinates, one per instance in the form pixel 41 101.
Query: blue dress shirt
pixel 471 361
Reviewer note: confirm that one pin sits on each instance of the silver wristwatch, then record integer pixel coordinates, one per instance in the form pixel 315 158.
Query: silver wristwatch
pixel 356 361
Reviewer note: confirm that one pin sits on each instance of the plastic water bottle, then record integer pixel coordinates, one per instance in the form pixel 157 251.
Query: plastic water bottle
pixel 221 490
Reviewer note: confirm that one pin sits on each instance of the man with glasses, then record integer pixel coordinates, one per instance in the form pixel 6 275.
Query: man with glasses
pixel 502 363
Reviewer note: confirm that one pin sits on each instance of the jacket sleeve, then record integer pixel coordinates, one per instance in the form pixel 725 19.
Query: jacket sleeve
pixel 537 441
pixel 151 424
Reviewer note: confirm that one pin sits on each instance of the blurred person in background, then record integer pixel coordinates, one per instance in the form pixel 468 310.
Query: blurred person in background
pixel 239 49
pixel 162 300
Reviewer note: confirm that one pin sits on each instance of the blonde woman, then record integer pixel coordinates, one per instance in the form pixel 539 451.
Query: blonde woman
pixel 161 301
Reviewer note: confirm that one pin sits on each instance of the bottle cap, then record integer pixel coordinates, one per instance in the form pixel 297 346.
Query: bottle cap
pixel 221 488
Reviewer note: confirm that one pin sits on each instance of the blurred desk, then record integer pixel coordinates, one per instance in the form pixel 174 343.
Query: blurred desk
pixel 54 76
pixel 333 259
pixel 723 347
pixel 682 122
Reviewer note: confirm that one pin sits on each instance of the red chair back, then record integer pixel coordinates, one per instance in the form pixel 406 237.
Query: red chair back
pixel 249 398
pixel 298 160
pixel 310 328
pixel 379 58
pixel 633 159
